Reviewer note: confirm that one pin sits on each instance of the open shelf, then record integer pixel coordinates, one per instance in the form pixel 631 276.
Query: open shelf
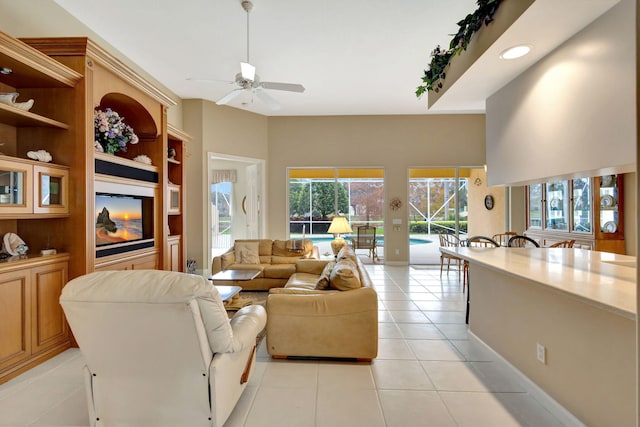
pixel 14 116
pixel 31 68
pixel 125 162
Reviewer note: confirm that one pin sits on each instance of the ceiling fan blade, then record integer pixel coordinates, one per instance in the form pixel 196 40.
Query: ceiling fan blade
pixel 267 99
pixel 228 97
pixel 290 87
pixel 248 71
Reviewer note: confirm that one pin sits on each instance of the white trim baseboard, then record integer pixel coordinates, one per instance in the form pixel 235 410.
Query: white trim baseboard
pixel 556 409
pixel 398 263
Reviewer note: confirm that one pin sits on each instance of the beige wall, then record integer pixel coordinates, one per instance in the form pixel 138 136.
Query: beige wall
pixel 590 351
pixel 222 130
pixel 45 18
pixel 572 113
pixel 482 221
pixel 394 143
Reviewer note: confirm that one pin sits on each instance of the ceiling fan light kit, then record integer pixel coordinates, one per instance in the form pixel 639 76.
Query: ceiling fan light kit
pixel 248 71
pixel 247 79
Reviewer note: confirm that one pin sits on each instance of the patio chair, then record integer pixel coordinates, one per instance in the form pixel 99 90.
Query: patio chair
pixel 366 239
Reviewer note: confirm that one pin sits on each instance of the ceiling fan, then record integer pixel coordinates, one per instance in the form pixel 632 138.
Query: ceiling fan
pixel 249 81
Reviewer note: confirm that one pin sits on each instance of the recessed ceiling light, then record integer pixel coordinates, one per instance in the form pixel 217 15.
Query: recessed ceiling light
pixel 515 52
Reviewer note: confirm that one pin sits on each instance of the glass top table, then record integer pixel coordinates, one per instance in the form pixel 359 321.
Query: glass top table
pixel 239 275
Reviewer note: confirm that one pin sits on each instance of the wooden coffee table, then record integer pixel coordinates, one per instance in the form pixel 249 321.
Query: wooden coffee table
pixel 228 292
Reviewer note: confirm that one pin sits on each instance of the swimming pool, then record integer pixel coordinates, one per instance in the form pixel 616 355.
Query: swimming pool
pixel 412 241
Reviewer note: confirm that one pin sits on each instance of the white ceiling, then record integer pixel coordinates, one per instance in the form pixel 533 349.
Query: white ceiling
pixel 353 57
pixel 361 57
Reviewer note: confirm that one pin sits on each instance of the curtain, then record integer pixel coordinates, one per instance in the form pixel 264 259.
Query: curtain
pixel 222 175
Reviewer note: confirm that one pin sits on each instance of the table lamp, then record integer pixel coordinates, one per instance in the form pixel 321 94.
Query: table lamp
pixel 339 225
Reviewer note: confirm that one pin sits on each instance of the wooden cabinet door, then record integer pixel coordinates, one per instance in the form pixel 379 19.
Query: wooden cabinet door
pixel 51 192
pixel 146 262
pixel 48 324
pixel 15 317
pixel 16 187
pixel 149 262
pixel 173 248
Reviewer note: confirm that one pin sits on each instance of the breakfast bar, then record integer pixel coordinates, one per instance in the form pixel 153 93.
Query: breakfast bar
pixel 565 318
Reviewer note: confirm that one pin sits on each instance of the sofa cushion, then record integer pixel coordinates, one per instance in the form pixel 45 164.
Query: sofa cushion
pixel 283 260
pixel 265 259
pixel 312 266
pixel 345 276
pixel 227 259
pixel 264 247
pixel 302 281
pixel 323 280
pixel 347 252
pixel 246 252
pixel 279 271
pixel 282 248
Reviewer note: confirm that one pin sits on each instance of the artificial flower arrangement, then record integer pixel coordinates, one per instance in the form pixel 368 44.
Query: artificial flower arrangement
pixel 111 133
pixel 440 58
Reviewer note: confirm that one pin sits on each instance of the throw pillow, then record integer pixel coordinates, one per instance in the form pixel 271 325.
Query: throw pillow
pixel 246 252
pixel 345 276
pixel 323 281
pixel 347 252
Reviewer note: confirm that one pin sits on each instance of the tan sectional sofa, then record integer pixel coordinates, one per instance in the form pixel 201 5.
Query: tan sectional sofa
pixel 274 258
pixel 308 322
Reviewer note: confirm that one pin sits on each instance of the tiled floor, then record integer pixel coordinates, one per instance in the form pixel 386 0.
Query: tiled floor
pixel 428 373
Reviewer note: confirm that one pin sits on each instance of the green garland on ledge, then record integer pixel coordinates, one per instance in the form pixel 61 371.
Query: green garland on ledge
pixel 440 58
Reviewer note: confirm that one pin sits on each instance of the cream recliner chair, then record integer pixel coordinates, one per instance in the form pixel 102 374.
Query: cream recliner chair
pixel 159 347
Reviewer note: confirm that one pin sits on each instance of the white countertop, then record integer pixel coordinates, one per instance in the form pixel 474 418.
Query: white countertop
pixel 604 279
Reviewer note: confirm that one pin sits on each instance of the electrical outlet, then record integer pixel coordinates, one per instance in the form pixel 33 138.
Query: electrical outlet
pixel 541 353
pixel 397 251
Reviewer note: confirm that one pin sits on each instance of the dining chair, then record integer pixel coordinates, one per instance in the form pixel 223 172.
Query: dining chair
pixel 503 238
pixel 522 242
pixel 481 241
pixel 477 242
pixel 563 244
pixel 449 241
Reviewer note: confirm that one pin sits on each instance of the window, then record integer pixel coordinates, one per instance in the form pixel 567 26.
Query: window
pixel 316 195
pixel 535 205
pixel 582 205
